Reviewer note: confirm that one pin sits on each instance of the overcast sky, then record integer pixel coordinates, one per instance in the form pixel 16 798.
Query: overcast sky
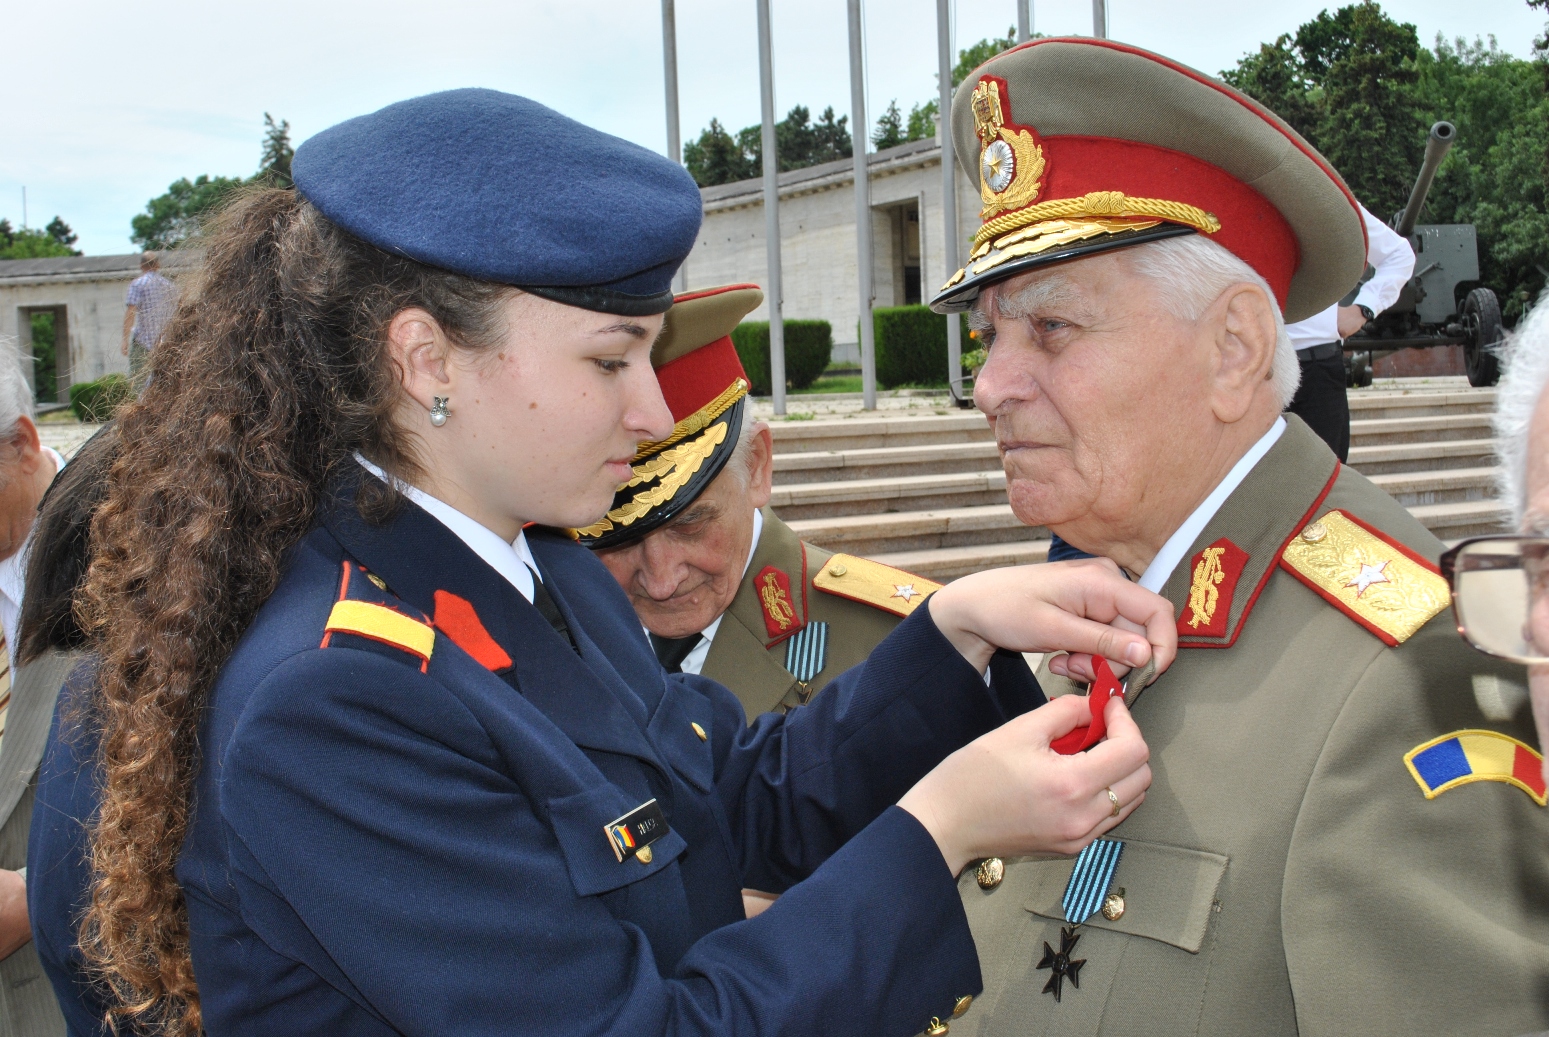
pixel 104 104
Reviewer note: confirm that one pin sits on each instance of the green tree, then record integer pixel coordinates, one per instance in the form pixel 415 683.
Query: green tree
pixel 718 158
pixel 890 128
pixel 1494 175
pixel 45 358
pixel 802 142
pixel 60 231
pixel 979 53
pixel 1371 128
pixel 31 243
pixel 274 166
pixel 922 120
pixel 1276 78
pixel 174 217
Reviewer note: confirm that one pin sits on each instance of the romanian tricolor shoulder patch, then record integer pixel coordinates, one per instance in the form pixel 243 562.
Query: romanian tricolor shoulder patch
pixel 1370 577
pixel 872 583
pixel 1463 757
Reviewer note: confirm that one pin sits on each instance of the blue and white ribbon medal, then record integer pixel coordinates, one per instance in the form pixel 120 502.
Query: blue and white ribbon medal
pixel 1090 879
pixel 807 651
pixel 1084 895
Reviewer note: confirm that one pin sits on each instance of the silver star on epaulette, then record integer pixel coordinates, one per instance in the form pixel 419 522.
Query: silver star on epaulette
pixel 1369 575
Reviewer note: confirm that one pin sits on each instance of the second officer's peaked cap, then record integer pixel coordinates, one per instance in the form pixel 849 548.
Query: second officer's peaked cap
pixel 503 189
pixel 1083 145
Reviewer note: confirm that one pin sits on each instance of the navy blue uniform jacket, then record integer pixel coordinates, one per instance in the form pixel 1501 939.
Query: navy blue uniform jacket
pixel 404 833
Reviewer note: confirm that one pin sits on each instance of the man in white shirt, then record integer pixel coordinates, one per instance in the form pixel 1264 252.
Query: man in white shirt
pixel 1347 811
pixel 1320 400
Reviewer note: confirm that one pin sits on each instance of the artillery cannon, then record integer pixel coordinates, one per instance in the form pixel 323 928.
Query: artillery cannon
pixel 1443 304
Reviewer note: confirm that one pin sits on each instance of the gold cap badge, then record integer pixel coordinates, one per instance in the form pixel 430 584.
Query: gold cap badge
pixel 1011 162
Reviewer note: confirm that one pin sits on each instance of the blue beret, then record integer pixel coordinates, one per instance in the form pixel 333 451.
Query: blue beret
pixel 500 188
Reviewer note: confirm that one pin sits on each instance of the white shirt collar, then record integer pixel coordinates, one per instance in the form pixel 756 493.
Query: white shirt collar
pixel 512 560
pixel 1172 552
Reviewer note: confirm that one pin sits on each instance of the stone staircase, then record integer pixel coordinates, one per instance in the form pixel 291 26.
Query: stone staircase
pixel 926 492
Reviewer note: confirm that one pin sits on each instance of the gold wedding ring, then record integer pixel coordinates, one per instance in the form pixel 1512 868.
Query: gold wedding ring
pixel 1114 799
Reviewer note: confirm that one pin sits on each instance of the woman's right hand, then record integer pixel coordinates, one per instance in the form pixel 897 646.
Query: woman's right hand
pixel 1007 794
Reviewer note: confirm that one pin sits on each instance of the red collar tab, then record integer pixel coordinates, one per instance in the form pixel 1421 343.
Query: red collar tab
pixel 774 597
pixel 1213 581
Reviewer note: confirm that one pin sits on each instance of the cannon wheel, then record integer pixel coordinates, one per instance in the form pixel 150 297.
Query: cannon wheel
pixel 1482 324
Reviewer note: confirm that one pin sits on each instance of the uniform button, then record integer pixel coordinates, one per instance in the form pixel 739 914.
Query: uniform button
pixel 936 1028
pixel 837 570
pixel 962 1005
pixel 699 731
pixel 645 855
pixel 1113 905
pixel 1315 532
pixel 990 871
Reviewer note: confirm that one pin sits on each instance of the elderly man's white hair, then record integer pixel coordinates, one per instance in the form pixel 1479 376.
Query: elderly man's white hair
pixel 1525 363
pixel 740 463
pixel 15 393
pixel 1189 273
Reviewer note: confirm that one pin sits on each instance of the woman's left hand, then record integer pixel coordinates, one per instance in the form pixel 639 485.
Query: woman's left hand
pixel 1084 607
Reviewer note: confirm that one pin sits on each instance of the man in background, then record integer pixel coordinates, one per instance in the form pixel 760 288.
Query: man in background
pixel 149 306
pixel 27 467
pixel 725 588
pixel 1320 399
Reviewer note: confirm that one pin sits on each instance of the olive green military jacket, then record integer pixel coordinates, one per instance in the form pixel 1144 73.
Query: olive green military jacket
pixel 1288 872
pixel 786 590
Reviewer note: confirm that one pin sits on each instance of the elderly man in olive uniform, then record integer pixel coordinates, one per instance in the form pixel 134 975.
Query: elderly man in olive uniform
pixel 1346 829
pixel 723 586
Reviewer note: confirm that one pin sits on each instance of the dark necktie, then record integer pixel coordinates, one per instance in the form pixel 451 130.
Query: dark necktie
pixel 544 602
pixel 673 650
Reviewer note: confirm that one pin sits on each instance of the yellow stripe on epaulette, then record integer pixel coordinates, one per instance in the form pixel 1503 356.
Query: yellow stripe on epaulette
pixel 380 623
pixel 872 583
pixel 1368 576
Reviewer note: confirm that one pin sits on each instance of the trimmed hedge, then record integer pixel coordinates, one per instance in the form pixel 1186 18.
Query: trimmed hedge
pixel 911 343
pixel 96 401
pixel 809 345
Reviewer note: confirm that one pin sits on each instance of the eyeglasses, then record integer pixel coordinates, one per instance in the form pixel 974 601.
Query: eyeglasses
pixel 1500 587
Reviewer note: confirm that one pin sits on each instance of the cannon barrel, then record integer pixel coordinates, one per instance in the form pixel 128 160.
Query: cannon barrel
pixel 1436 147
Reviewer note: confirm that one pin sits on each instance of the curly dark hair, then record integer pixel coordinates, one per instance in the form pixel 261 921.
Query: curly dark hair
pixel 272 374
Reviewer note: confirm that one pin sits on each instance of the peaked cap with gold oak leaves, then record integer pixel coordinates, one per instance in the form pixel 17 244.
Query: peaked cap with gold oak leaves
pixel 1084 145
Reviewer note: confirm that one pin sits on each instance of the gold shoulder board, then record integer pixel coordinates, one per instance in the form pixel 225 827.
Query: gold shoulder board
pixel 872 583
pixel 1373 579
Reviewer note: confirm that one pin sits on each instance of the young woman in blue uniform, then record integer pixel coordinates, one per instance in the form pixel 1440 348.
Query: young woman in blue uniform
pixel 375 761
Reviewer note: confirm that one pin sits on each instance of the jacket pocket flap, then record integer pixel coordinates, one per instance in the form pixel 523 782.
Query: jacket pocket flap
pixel 1170 892
pixel 579 821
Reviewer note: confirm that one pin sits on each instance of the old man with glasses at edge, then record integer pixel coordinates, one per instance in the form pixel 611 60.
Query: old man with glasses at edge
pixel 1498 582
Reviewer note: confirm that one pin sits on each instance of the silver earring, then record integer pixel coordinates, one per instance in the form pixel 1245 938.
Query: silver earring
pixel 438 411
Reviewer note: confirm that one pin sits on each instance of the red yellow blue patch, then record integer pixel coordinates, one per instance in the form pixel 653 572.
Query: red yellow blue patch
pixel 1463 757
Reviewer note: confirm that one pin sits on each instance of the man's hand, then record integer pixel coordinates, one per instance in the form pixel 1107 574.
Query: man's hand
pixel 1350 320
pixel 1008 794
pixel 15 927
pixel 1085 606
